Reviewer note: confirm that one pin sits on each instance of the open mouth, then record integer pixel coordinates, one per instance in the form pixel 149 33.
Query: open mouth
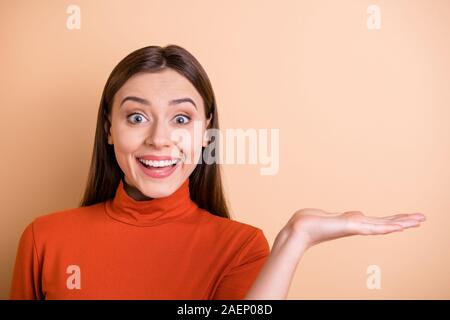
pixel 164 164
pixel 159 169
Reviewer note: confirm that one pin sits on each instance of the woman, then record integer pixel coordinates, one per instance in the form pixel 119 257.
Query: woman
pixel 154 223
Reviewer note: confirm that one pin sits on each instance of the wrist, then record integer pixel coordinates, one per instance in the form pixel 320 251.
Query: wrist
pixel 290 242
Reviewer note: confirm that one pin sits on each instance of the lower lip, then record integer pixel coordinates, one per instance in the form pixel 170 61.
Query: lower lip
pixel 158 172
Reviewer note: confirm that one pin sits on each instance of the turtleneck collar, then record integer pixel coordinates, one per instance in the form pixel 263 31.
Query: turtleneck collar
pixel 150 212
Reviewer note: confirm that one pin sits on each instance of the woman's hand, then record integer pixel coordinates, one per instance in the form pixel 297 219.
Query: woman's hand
pixel 315 225
pixel 308 227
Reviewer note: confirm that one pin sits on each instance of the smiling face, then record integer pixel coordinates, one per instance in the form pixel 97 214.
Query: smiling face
pixel 155 115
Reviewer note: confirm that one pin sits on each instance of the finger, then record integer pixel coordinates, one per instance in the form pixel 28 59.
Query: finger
pixel 374 229
pixel 404 222
pixel 394 219
pixel 418 216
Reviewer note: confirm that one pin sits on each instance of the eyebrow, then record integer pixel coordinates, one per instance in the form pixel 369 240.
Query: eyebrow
pixel 147 103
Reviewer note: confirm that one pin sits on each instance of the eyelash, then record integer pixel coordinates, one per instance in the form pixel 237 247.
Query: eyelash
pixel 136 113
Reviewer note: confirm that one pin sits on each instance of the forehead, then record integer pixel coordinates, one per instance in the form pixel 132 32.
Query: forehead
pixel 159 87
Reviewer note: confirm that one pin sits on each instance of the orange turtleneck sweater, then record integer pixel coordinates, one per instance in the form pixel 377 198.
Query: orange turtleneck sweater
pixel 164 248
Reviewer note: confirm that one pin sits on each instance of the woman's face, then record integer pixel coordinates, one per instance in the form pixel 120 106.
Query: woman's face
pixel 149 121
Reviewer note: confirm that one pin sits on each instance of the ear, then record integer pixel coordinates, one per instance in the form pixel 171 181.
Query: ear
pixel 208 121
pixel 110 139
pixel 206 138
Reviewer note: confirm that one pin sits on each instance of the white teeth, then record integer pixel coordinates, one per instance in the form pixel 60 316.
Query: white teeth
pixel 158 164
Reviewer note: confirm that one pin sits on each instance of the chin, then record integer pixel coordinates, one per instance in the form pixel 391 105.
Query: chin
pixel 159 189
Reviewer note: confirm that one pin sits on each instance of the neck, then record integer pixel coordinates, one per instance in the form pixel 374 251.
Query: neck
pixel 134 192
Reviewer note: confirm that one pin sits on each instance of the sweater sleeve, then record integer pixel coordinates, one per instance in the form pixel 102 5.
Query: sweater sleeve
pixel 238 280
pixel 26 281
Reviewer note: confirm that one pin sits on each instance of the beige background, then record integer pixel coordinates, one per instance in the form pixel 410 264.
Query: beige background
pixel 363 118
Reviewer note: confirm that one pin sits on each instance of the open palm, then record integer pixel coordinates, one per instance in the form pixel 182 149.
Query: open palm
pixel 316 225
pixel 308 227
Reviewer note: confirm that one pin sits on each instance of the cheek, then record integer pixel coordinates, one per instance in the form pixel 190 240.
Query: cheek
pixel 192 149
pixel 126 142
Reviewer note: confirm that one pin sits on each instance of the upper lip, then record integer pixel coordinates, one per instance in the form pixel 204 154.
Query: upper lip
pixel 157 158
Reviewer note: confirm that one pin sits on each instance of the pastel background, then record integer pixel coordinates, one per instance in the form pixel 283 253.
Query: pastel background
pixel 363 116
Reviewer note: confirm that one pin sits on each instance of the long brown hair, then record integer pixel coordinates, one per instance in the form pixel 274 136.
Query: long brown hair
pixel 104 174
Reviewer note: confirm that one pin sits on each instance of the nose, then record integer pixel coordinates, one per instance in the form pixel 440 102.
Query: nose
pixel 159 135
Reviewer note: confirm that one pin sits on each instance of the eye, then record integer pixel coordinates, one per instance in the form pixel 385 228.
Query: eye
pixel 182 119
pixel 137 116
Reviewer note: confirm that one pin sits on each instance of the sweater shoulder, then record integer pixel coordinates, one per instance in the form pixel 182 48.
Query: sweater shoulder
pixel 225 222
pixel 234 228
pixel 243 241
pixel 67 217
